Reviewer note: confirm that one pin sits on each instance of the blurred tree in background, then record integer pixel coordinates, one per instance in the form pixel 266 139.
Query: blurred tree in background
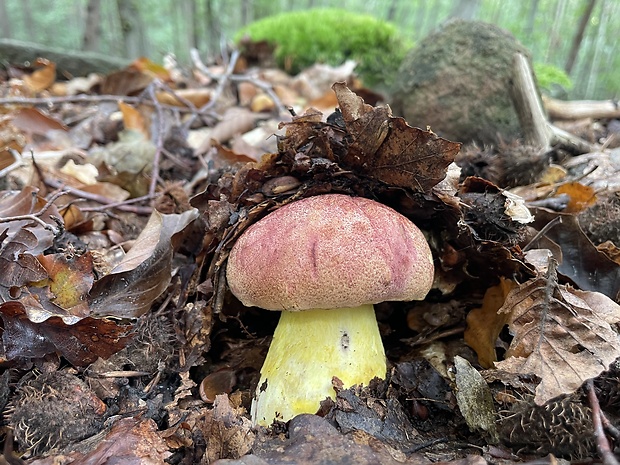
pixel 577 36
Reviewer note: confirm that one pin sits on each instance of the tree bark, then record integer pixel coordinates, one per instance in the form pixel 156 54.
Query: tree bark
pixel 536 129
pixel 27 15
pixel 92 27
pixel 213 28
pixel 246 12
pixel 195 21
pixel 578 39
pixel 465 9
pixel 391 13
pixel 555 36
pixel 531 18
pixel 5 22
pixel 132 29
pixel 599 45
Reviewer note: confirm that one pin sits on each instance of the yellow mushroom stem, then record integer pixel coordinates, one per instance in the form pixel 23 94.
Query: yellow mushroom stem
pixel 308 349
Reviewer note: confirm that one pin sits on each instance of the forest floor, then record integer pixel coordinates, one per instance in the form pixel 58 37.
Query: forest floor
pixel 123 194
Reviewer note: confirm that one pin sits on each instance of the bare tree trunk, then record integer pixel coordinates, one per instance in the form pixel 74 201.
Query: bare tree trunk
pixel 213 32
pixel 599 46
pixel 27 15
pixel 556 30
pixel 92 26
pixel 578 39
pixel 246 12
pixel 420 20
pixel 391 13
pixel 5 22
pixel 465 9
pixel 531 17
pixel 194 20
pixel 132 29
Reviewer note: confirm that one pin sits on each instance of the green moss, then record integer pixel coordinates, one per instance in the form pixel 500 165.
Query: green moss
pixel 332 36
pixel 550 76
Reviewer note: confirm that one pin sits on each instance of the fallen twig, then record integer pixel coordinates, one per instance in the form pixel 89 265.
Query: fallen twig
pixel 16 164
pixel 255 81
pixel 159 143
pixel 83 98
pixel 36 216
pixel 602 443
pixel 109 203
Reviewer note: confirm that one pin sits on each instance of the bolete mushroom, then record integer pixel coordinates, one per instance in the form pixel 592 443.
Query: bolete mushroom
pixel 324 261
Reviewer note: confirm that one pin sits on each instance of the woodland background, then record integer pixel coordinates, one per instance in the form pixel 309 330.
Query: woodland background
pixel 578 36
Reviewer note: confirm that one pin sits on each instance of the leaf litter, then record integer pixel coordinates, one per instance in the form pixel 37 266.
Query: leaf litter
pixel 114 277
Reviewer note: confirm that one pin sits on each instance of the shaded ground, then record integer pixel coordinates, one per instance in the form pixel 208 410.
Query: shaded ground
pixel 121 342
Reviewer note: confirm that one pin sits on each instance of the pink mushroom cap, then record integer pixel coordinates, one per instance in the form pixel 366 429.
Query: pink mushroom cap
pixel 330 251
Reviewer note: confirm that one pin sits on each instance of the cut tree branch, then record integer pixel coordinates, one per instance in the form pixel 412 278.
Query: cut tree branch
pixel 537 130
pixel 578 109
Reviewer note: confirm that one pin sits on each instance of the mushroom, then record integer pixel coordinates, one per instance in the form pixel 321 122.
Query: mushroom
pixel 324 261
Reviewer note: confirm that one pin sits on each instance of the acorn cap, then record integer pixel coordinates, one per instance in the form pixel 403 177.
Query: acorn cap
pixel 330 251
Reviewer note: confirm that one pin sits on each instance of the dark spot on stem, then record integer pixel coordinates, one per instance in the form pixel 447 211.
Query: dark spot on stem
pixel 344 340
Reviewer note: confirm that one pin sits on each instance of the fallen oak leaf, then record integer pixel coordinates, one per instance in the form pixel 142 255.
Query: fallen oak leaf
pixel 129 290
pixel 558 336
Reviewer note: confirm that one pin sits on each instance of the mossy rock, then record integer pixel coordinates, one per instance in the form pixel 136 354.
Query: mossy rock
pixel 457 82
pixel 332 36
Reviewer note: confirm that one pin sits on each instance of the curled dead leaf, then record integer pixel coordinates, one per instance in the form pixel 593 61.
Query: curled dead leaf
pixel 388 149
pixel 484 324
pixel 80 343
pixel 129 290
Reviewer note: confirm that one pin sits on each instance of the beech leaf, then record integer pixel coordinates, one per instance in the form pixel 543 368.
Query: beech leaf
pixel 80 343
pixel 388 149
pixel 22 239
pixel 129 290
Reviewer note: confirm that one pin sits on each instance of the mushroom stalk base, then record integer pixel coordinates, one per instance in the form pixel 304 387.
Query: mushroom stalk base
pixel 308 349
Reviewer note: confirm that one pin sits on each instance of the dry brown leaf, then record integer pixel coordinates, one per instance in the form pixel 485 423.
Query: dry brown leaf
pixel 558 336
pixel 611 250
pixel 129 290
pixel 22 240
pixel 198 97
pixel 580 260
pixel 134 120
pixel 128 81
pixel 581 196
pixel 42 77
pixel 235 121
pixel 130 441
pixel 32 121
pixel 70 279
pixel 388 149
pixel 80 343
pixel 229 156
pixel 484 324
pixel 227 431
pixel 150 67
